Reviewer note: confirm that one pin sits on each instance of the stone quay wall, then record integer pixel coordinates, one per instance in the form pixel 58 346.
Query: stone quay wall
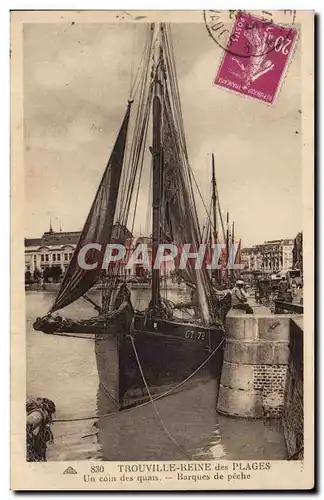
pixel 255 366
pixel 262 373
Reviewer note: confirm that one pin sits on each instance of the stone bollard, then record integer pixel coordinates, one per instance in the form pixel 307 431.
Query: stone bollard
pixel 255 365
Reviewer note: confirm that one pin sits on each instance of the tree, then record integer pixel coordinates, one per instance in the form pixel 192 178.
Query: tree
pixel 56 272
pixel 36 274
pixel 46 274
pixel 28 276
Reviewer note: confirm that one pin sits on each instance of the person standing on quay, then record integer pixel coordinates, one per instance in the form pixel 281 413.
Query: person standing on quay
pixel 239 299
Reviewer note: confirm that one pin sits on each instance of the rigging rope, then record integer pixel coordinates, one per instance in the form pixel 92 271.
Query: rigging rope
pixel 177 113
pixel 206 228
pixel 220 214
pixel 140 127
pixel 143 140
pixel 130 162
pixel 179 119
pixel 132 63
pixel 134 87
pixel 133 162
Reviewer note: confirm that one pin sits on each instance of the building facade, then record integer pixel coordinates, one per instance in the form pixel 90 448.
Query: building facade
pixel 54 249
pixel 298 252
pixel 270 257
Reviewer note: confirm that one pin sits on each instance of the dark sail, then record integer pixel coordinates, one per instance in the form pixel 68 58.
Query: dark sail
pixel 98 226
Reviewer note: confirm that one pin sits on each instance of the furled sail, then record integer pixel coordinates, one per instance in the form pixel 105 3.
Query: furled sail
pixel 180 218
pixel 98 226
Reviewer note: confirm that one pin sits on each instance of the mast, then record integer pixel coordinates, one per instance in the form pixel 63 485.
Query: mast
pixel 227 233
pixel 214 199
pixel 231 271
pixel 227 243
pixel 157 175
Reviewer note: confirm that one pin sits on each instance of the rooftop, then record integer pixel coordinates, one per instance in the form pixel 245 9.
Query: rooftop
pixel 246 249
pixel 53 238
pixel 33 242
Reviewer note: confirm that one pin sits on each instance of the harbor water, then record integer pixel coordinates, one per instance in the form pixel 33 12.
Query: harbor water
pixel 180 426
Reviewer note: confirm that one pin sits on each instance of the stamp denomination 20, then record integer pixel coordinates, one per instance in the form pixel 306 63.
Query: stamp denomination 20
pixel 256 57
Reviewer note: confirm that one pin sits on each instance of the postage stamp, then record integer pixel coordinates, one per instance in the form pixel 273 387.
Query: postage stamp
pixel 256 57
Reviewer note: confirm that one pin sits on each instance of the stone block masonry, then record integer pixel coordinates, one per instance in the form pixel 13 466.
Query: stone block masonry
pixel 255 366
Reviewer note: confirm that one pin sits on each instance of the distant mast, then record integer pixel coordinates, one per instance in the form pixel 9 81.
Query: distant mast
pixel 227 246
pixel 227 235
pixel 232 272
pixel 214 201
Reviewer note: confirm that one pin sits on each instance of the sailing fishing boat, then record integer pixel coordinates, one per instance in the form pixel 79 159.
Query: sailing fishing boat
pixel 223 277
pixel 211 233
pixel 144 353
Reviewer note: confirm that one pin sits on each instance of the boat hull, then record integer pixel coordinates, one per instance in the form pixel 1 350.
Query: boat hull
pixel 168 351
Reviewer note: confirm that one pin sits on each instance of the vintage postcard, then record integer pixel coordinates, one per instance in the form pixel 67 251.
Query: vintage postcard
pixel 162 329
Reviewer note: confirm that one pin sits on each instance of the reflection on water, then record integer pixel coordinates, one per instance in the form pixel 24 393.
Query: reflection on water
pixel 64 370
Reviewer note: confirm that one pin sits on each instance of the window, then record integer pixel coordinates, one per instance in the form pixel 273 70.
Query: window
pixel 54 257
pixel 47 257
pixel 58 256
pixel 34 258
pixel 42 257
pixel 65 256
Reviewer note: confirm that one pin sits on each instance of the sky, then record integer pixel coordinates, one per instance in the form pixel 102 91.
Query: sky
pixel 76 85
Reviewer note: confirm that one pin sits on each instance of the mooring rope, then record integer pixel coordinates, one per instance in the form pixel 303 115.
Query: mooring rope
pixel 159 396
pixel 166 430
pixel 81 336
